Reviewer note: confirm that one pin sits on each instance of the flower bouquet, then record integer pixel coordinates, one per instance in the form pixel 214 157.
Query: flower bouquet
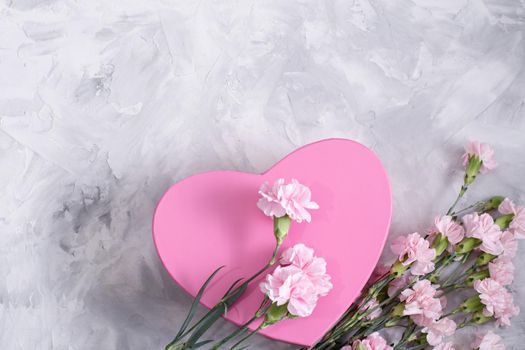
pixel 466 254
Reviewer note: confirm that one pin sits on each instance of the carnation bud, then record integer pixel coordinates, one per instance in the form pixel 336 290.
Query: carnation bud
pixel 473 166
pixel 472 304
pixel 484 258
pixel 467 244
pixel 398 269
pixel 440 243
pixel 281 226
pixel 504 221
pixel 275 314
pixel 398 310
pixel 492 203
pixel 469 281
pixel 479 318
pixel 361 347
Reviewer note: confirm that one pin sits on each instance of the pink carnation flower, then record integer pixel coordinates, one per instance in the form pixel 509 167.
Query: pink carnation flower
pixel 502 270
pixel 270 201
pixel 397 284
pixel 497 300
pixel 414 249
pixel 488 341
pixel 289 285
pixel 450 228
pixel 483 227
pixel 444 346
pixel 286 199
pixel 437 330
pixel 300 282
pixel 372 304
pixel 517 225
pixel 484 152
pixel 373 342
pixel 421 303
pixel 312 266
pixel 507 207
pixel 509 244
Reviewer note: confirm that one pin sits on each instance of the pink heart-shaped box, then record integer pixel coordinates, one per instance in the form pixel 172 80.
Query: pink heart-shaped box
pixel 211 219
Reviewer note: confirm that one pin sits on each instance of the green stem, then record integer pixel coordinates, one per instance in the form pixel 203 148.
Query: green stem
pixel 460 195
pixel 263 308
pixel 249 335
pixel 270 264
pixel 478 203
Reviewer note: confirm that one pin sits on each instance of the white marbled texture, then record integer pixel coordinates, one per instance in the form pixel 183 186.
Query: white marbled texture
pixel 104 104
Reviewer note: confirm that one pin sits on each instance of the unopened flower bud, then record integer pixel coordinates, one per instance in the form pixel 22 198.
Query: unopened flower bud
pixel 484 258
pixel 469 281
pixel 281 226
pixel 472 170
pixel 398 269
pixel 440 243
pixel 479 318
pixel 398 310
pixel 360 346
pixel 504 221
pixel 492 203
pixel 472 304
pixel 467 244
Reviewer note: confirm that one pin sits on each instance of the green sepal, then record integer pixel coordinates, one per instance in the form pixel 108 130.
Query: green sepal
pixel 504 221
pixel 275 314
pixel 472 170
pixel 193 307
pixel 398 310
pixel 479 318
pixel 469 281
pixel 472 304
pixel 467 244
pixel 281 226
pixel 484 258
pixel 440 243
pixel 492 203
pixel 398 269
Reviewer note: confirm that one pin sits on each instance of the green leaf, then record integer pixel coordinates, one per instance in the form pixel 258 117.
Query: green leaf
pixel 215 313
pixel 209 319
pixel 194 304
pixel 202 343
pixel 231 287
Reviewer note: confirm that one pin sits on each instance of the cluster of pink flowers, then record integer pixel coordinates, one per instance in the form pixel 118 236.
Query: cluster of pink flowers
pixel 485 241
pixel 373 342
pixel 298 281
pixel 282 199
pixel 414 250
